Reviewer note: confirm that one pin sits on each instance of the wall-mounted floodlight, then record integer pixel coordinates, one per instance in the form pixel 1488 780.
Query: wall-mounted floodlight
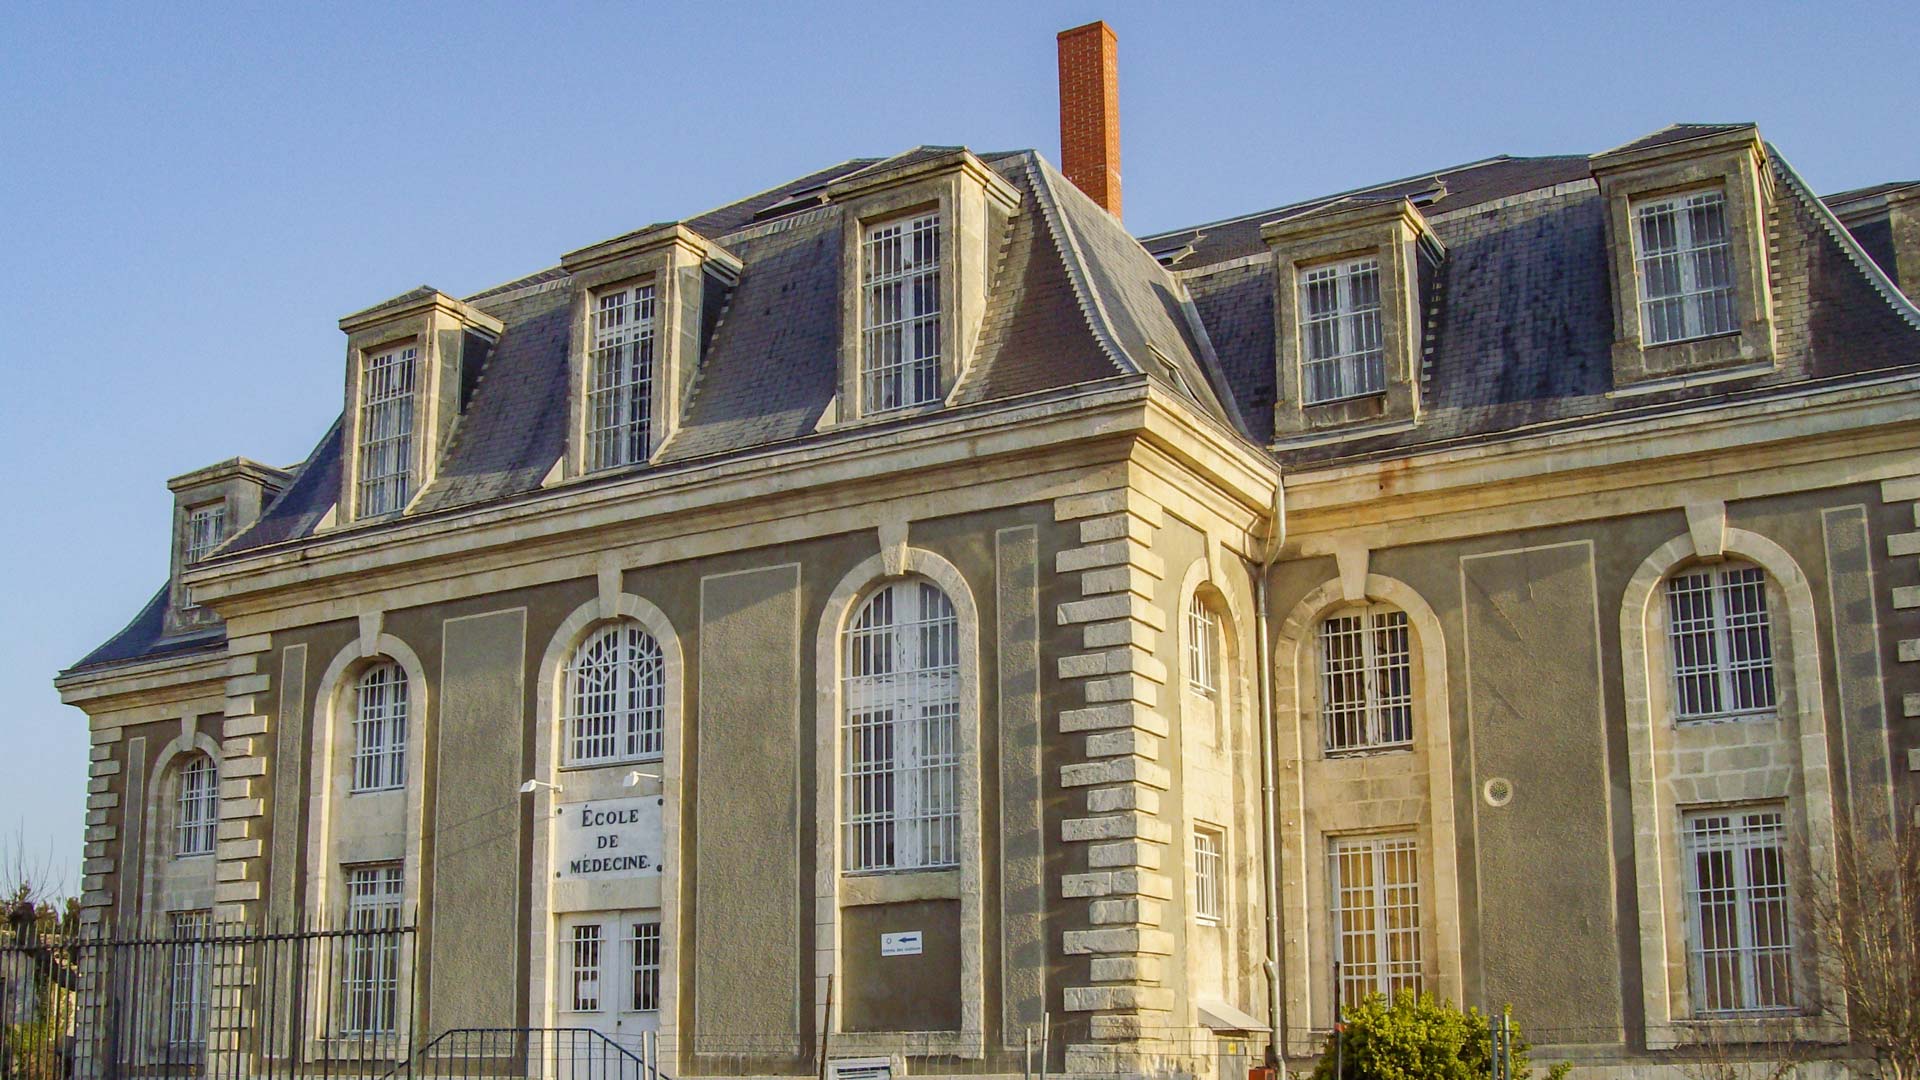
pixel 529 787
pixel 632 779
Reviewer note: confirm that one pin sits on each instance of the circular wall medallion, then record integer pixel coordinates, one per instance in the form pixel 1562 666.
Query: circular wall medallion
pixel 1497 791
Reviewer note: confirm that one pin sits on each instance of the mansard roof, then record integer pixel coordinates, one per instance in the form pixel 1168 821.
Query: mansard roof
pixel 1517 325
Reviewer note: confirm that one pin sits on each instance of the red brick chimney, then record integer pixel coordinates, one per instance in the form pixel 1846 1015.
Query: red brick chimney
pixel 1090 112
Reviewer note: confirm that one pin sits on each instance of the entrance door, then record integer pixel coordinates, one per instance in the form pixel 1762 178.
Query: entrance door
pixel 609 982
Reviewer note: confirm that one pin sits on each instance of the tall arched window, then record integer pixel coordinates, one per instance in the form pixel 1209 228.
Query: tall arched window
pixel 1203 647
pixel 900 760
pixel 380 728
pixel 1366 679
pixel 1719 642
pixel 197 812
pixel 616 697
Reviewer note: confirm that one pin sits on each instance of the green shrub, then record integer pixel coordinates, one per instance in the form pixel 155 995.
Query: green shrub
pixel 1419 1038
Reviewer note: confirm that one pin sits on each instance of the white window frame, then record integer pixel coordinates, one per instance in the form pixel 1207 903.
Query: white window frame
pixel 1365 916
pixel 384 480
pixel 900 314
pixel 189 979
pixel 1343 350
pixel 1720 656
pixel 622 361
pixel 370 976
pixel 615 697
pixel 196 807
pixel 206 527
pixel 1209 874
pixel 643 965
pixel 380 708
pixel 586 948
pixel 1686 281
pixel 1366 690
pixel 900 731
pixel 1749 844
pixel 1203 647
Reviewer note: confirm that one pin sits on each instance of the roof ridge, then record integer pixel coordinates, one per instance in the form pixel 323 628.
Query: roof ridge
pixel 1351 192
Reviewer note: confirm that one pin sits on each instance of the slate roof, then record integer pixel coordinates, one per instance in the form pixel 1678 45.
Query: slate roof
pixel 1517 326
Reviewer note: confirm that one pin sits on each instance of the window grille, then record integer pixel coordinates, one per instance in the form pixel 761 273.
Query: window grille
pixel 370 981
pixel 1366 679
pixel 900 761
pixel 189 979
pixel 1720 642
pixel 1345 353
pixel 643 963
pixel 586 967
pixel 1203 632
pixel 900 286
pixel 206 527
pixel 1209 853
pixel 1686 267
pixel 380 729
pixel 616 697
pixel 198 811
pixel 386 431
pixel 1376 914
pixel 1741 948
pixel 620 378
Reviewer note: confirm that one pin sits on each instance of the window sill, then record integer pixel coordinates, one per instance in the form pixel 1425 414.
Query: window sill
pixel 1708 719
pixel 898 886
pixel 182 855
pixel 589 766
pixel 1347 753
pixel 1309 406
pixel 377 790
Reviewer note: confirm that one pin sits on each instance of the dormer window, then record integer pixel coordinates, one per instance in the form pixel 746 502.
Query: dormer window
pixel 1686 267
pixel 386 431
pixel 1344 354
pixel 620 382
pixel 206 527
pixel 900 277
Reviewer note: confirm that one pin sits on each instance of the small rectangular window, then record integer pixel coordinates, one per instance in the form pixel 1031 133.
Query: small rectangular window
pixel 386 431
pixel 643 959
pixel 1720 642
pixel 370 975
pixel 620 378
pixel 206 527
pixel 1203 633
pixel 1209 858
pixel 1685 261
pixel 1366 679
pixel 1375 883
pixel 1343 351
pixel 1740 935
pixel 189 979
pixel 900 314
pixel 586 967
pixel 198 812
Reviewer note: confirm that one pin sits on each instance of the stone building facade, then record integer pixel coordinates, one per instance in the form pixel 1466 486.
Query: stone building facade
pixel 903 606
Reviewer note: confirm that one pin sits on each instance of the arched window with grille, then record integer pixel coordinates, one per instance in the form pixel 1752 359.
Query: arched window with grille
pixel 1720 642
pixel 1366 679
pixel 1203 647
pixel 197 810
pixel 380 728
pixel 616 697
pixel 900 799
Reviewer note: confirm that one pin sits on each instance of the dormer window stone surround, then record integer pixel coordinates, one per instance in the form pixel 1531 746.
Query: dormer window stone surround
pixel 1347 295
pixel 210 506
pixel 640 307
pixel 410 363
pixel 920 243
pixel 1687 227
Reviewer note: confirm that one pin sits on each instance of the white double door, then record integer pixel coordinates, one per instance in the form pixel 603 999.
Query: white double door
pixel 608 967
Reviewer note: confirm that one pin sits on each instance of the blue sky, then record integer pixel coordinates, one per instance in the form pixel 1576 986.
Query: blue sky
pixel 192 195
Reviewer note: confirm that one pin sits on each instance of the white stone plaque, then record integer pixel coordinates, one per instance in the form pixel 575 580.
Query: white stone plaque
pixel 610 838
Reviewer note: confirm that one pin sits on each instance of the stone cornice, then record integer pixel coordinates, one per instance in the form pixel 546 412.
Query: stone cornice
pixel 1095 422
pixel 143 681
